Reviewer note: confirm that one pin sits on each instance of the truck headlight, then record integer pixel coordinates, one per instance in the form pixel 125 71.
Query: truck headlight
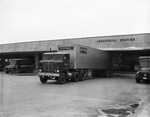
pixel 57 71
pixel 137 73
pixel 69 75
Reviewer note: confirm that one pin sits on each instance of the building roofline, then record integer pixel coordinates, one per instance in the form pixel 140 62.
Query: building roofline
pixel 78 38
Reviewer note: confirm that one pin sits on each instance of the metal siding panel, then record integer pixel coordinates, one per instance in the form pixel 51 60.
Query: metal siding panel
pixel 94 59
pixel 71 52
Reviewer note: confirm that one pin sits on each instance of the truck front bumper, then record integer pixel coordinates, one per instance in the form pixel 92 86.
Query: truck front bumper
pixel 48 74
pixel 142 78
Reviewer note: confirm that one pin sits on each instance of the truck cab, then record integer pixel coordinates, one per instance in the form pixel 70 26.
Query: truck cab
pixel 144 73
pixel 52 65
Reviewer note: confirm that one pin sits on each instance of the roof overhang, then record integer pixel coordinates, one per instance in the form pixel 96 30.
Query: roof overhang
pixel 126 49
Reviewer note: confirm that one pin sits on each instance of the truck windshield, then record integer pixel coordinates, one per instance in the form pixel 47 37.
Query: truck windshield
pixel 145 63
pixel 13 62
pixel 53 57
pixel 25 62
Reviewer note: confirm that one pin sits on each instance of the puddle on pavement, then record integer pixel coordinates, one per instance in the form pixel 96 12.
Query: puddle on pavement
pixel 120 112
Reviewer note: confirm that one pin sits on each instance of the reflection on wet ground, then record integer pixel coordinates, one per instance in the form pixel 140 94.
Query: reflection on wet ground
pixel 119 112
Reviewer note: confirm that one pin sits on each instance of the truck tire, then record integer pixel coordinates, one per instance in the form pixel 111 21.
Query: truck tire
pixel 96 73
pixel 75 77
pixel 62 79
pixel 111 74
pixel 93 73
pixel 7 72
pixel 81 76
pixel 43 79
pixel 12 71
pixel 106 74
pixel 138 80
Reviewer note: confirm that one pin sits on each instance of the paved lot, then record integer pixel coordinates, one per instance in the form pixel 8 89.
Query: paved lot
pixel 22 95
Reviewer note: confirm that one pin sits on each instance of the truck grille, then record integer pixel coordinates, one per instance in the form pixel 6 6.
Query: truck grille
pixel 44 67
pixel 144 74
pixel 51 67
pixel 47 67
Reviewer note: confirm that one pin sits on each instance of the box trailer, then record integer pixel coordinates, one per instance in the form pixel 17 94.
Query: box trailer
pixel 72 62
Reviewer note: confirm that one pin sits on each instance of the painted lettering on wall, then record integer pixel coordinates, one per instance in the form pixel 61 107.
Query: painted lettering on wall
pixel 107 40
pixel 127 39
pixel 115 40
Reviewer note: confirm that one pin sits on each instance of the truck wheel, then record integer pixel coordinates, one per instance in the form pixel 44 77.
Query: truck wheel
pixel 43 79
pixel 12 71
pixel 7 72
pixel 111 74
pixel 138 80
pixel 75 77
pixel 81 76
pixel 62 79
pixel 106 74
pixel 93 73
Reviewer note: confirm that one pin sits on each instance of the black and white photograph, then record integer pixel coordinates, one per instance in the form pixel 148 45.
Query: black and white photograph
pixel 74 58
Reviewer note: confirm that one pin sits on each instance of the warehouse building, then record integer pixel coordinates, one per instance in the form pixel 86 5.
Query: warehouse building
pixel 125 49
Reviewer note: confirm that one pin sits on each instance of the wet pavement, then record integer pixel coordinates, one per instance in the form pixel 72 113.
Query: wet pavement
pixel 120 112
pixel 22 95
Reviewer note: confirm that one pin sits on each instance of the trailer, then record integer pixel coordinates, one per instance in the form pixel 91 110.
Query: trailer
pixel 72 63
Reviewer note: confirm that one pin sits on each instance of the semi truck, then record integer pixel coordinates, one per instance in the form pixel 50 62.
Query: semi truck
pixel 73 63
pixel 144 73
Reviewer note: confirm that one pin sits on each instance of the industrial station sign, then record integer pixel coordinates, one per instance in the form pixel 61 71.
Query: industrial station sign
pixel 116 40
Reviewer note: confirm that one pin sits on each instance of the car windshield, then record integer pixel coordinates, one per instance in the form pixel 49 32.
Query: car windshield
pixel 145 64
pixel 56 57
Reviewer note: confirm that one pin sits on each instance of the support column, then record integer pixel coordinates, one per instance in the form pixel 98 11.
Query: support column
pixel 36 62
pixel 2 63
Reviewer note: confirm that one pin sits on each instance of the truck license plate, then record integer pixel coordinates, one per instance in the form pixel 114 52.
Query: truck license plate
pixel 144 77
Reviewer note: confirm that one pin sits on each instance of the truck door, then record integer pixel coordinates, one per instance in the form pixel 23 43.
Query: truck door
pixel 66 61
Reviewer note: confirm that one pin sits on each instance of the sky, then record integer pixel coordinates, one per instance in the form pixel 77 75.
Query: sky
pixel 37 20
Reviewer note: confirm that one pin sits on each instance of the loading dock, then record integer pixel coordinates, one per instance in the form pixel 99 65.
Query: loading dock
pixel 125 48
